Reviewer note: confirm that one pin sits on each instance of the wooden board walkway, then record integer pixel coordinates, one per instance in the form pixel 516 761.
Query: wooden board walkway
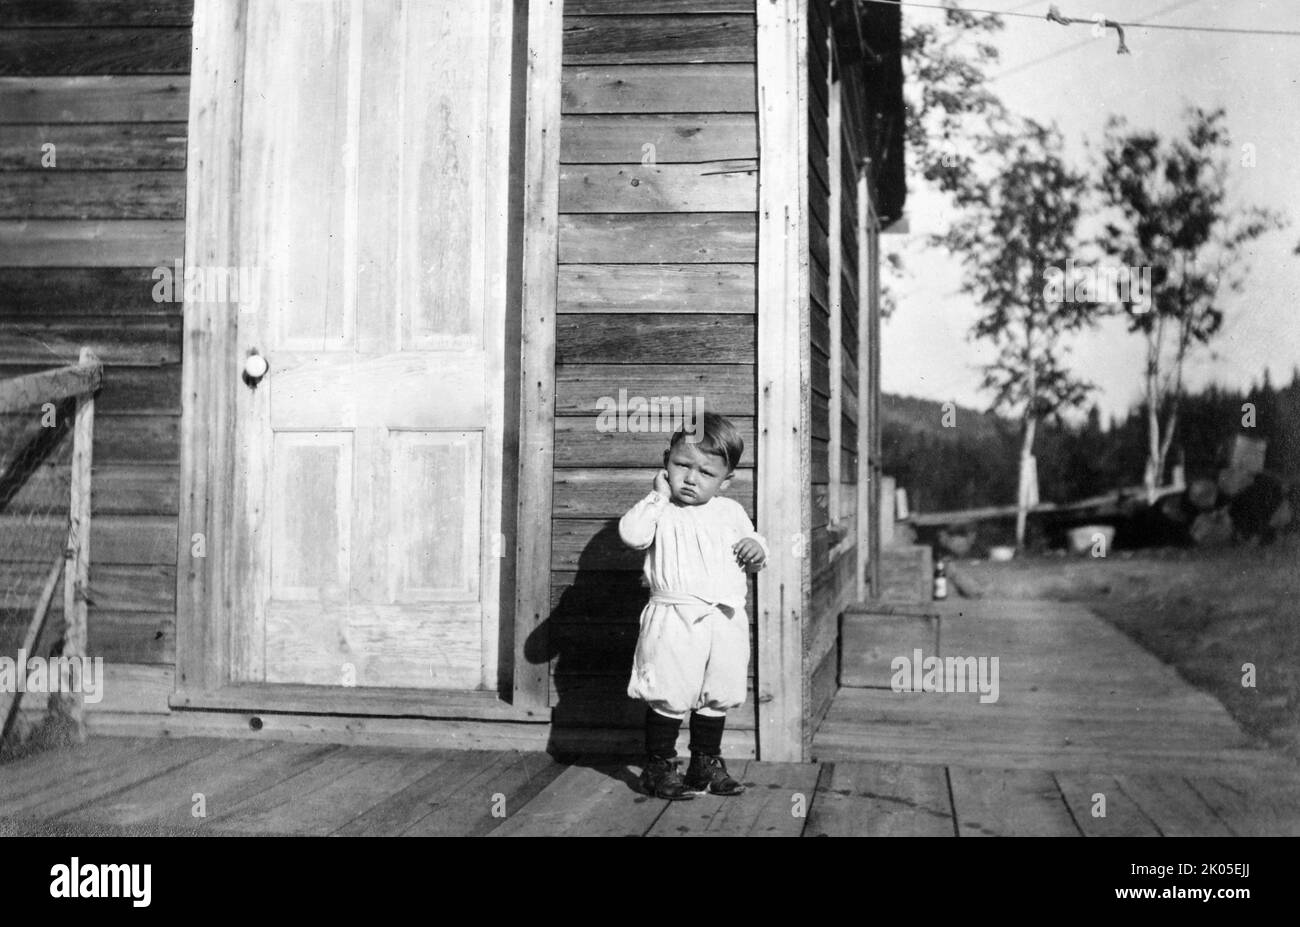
pixel 210 786
pixel 1074 694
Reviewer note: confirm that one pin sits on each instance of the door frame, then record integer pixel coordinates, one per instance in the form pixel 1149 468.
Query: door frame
pixel 210 585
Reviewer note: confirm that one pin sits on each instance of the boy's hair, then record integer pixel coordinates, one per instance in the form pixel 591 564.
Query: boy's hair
pixel 716 435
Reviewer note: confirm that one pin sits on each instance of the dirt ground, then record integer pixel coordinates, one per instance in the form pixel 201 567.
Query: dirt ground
pixel 1207 612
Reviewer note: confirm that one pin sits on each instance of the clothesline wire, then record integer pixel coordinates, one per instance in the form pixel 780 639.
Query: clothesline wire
pixel 1077 45
pixel 1134 25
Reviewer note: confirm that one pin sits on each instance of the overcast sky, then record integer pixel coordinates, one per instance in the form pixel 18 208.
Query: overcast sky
pixel 1062 74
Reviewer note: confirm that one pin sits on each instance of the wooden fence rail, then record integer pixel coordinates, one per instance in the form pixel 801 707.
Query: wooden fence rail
pixel 78 380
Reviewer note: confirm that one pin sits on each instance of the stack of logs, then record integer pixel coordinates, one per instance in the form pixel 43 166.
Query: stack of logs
pixel 1245 501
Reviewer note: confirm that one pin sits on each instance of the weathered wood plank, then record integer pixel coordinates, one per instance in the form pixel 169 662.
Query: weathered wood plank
pixel 137 439
pixel 141 638
pixel 46 52
pixel 92 195
pixel 473 805
pixel 579 444
pixel 702 238
pixel 272 809
pixel 605 7
pixel 657 138
pixel 116 587
pixel 596 493
pixel 102 98
pixel 591 544
pixel 659 88
pixel 623 39
pixel 1249 810
pixel 123 771
pixel 152 390
pixel 116 539
pixel 174 794
pixel 684 288
pixel 783 365
pixel 881 800
pixel 777 793
pixel 132 342
pixel 627 338
pixel 714 186
pixel 75 243
pixel 150 146
pixel 72 295
pixel 25 389
pixel 727 389
pixel 1101 807
pixel 1009 803
pixel 353 791
pixel 586 801
pixel 80 14
pixel 447 772
pixel 117 490
pixel 460 796
pixel 1175 806
pixel 34 774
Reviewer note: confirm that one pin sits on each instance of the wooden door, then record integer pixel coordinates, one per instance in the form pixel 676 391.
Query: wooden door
pixel 369 458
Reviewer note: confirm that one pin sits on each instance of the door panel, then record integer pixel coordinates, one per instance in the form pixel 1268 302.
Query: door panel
pixel 373 191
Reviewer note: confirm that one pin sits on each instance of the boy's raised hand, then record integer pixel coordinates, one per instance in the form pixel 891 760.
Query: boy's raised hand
pixel 749 554
pixel 661 483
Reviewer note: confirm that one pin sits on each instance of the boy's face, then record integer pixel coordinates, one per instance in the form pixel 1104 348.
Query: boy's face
pixel 695 476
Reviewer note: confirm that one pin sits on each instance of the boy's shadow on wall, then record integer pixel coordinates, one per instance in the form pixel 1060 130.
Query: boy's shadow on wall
pixel 588 639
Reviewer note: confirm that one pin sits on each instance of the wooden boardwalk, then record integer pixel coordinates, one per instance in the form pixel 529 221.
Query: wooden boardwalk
pixel 1090 736
pixel 212 786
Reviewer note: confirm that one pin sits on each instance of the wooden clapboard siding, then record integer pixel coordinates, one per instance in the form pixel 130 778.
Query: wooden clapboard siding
pixel 105 82
pixel 106 195
pixel 833 261
pixel 609 492
pixel 647 39
pixel 89 243
pixel 579 443
pixel 603 7
pixel 662 138
pixel 122 340
pixel 626 338
pixel 726 388
pixel 700 238
pixel 126 390
pixel 714 186
pixel 641 88
pixel 103 293
pixel 99 99
pixel 145 146
pixel 656 298
pixel 78 14
pixel 92 194
pixel 650 288
pixel 117 489
pixel 108 50
pixel 132 439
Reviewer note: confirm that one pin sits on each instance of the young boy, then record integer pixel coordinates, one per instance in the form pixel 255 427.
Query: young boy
pixel 693 650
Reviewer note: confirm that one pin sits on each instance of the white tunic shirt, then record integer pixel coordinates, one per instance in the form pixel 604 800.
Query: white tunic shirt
pixel 690 547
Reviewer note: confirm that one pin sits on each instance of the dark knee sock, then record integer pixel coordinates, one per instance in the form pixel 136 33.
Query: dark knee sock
pixel 706 733
pixel 661 734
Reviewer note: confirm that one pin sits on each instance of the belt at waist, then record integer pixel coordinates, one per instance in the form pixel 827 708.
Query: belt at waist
pixel 686 599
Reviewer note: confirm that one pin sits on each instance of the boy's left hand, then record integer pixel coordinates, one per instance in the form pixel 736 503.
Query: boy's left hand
pixel 749 554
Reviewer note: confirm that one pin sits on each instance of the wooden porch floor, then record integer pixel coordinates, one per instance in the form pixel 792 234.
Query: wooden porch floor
pixel 1083 713
pixel 151 786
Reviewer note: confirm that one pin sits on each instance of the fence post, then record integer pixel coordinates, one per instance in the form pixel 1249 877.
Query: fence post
pixel 76 573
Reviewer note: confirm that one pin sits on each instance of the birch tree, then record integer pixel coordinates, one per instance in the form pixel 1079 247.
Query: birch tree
pixel 1015 232
pixel 1169 211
